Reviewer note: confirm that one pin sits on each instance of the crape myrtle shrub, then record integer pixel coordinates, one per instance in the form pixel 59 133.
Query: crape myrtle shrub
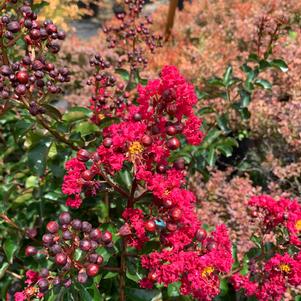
pixel 95 201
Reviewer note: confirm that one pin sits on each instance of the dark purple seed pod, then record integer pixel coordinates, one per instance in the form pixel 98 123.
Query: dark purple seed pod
pixel 48 239
pixel 44 273
pixel 20 89
pixel 76 224
pixel 5 70
pixel 67 235
pixel 65 218
pixel 13 26
pixel 86 227
pixel 85 245
pixel 31 251
pixel 82 276
pixel 43 285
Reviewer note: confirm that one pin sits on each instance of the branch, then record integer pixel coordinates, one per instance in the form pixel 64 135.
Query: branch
pixel 112 184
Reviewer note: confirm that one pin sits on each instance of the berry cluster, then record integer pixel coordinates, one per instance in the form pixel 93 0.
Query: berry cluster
pixel 33 76
pixel 131 37
pixel 132 30
pixel 72 245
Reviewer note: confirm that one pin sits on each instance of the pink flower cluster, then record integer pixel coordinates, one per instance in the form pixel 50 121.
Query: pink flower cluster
pixel 271 282
pixel 144 140
pixel 284 212
pixel 32 289
pixel 197 268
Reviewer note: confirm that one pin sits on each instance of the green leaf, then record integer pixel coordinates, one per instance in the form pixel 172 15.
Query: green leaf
pixel 263 64
pixel 216 81
pixel 211 136
pixel 135 294
pixel 253 57
pixel 224 287
pixel 86 128
pixel 3 269
pixel 10 247
pixel 173 289
pixel 21 127
pixel 211 156
pixel 245 266
pixel 226 150
pixel 279 64
pixel 245 98
pixel 77 113
pixel 37 156
pixel 109 275
pixel 263 83
pixel 228 75
pixel 52 111
pixel 245 113
pixel 205 110
pixel 123 73
pixel 223 122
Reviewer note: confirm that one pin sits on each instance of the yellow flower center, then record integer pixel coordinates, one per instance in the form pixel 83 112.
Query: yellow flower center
pixel 101 116
pixel 166 192
pixel 285 268
pixel 135 148
pixel 30 291
pixel 298 225
pixel 207 271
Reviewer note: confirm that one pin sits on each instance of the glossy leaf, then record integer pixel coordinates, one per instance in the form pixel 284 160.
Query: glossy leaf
pixel 37 156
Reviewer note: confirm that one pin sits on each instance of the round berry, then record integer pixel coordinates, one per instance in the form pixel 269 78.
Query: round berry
pixel 67 235
pixel 85 245
pixel 107 142
pixel 86 227
pixel 171 227
pixel 152 276
pixel 173 143
pixel 95 234
pixel 20 89
pixel 99 260
pixel 211 246
pixel 147 140
pixel 44 273
pixel 13 26
pixel 171 130
pixel 106 237
pixel 5 70
pixel 83 155
pixel 52 227
pixel 43 285
pixel 87 175
pixel 76 224
pixel 161 168
pixel 65 218
pixel 179 164
pixel 137 117
pixel 82 277
pixel 48 239
pixel 200 235
pixel 167 203
pixel 35 34
pixel 92 269
pixel 176 214
pixel 22 77
pixel 150 226
pixel 55 249
pixel 60 259
pixel 31 251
